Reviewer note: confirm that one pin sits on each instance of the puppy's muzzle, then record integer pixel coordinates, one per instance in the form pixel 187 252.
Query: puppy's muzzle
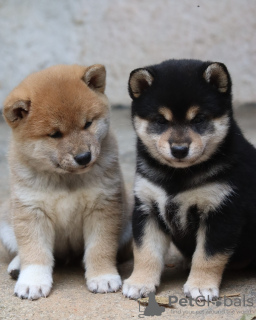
pixel 83 158
pixel 179 151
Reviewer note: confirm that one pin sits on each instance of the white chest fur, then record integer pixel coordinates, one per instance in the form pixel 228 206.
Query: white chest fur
pixel 67 210
pixel 207 198
pixel 58 204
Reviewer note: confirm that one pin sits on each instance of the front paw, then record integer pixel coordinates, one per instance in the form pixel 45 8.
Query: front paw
pixel 34 281
pixel 104 283
pixel 201 291
pixel 136 290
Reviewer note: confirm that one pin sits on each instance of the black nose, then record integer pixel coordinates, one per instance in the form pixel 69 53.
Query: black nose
pixel 179 152
pixel 83 158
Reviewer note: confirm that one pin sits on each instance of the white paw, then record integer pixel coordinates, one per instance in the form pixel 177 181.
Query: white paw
pixel 104 283
pixel 14 267
pixel 135 290
pixel 202 292
pixel 34 281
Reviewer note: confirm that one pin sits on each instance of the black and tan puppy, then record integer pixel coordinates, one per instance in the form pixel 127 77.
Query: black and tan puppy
pixel 196 176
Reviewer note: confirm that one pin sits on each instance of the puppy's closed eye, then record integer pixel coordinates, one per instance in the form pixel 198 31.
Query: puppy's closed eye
pixel 161 120
pixel 56 135
pixel 199 118
pixel 88 124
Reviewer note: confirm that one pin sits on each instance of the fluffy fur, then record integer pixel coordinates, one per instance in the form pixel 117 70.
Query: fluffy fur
pixel 196 176
pixel 67 196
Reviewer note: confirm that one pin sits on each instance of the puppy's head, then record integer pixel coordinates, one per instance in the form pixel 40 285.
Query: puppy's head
pixel 59 117
pixel 181 109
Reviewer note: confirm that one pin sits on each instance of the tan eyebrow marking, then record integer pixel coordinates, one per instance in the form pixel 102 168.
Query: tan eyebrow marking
pixel 192 112
pixel 166 113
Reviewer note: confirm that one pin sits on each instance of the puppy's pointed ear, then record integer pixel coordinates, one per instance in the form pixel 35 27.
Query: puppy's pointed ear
pixel 217 75
pixel 95 77
pixel 139 81
pixel 14 112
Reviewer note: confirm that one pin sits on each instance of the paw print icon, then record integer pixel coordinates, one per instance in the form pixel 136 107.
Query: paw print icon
pixel 153 309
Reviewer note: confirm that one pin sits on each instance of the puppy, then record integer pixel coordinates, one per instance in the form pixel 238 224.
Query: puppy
pixel 67 192
pixel 196 176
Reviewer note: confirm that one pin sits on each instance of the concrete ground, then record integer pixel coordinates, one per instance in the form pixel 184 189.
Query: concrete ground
pixel 70 299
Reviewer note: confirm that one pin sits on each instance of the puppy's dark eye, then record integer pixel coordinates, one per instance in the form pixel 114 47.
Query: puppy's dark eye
pixel 161 120
pixel 199 118
pixel 56 135
pixel 88 124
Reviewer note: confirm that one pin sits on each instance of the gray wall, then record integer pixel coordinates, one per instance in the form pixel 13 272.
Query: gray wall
pixel 125 34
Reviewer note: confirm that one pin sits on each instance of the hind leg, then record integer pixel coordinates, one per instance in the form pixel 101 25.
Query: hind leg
pixel 7 235
pixel 8 240
pixel 14 268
